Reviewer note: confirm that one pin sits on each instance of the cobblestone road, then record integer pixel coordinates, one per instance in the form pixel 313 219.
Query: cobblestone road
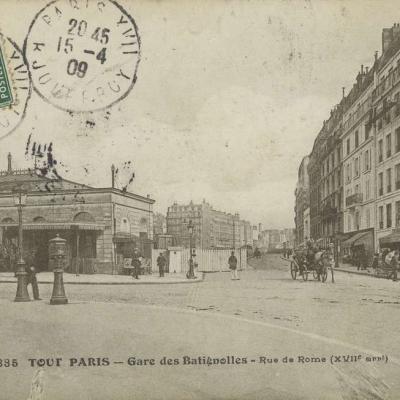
pixel 265 313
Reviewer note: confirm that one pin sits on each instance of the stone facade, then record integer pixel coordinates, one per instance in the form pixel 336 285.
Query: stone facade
pixel 212 228
pixel 361 140
pixel 98 224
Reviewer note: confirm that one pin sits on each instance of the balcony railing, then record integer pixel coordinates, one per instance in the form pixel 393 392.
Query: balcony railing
pixel 354 199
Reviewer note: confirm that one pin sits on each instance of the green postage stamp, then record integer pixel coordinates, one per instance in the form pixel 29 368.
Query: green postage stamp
pixel 6 97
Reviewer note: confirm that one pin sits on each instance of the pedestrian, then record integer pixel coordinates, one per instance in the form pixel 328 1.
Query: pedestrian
pixel 136 264
pixel 161 262
pixel 394 263
pixel 375 262
pixel 30 269
pixel 364 259
pixel 360 259
pixel 232 261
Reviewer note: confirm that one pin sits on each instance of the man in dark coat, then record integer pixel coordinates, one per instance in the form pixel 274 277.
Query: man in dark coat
pixel 161 262
pixel 30 269
pixel 136 264
pixel 232 261
pixel 394 263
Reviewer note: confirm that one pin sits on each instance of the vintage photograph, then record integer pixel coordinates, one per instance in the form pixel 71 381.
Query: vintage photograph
pixel 199 200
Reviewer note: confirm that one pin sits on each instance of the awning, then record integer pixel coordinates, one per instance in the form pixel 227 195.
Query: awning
pixel 352 241
pixel 56 226
pixel 393 237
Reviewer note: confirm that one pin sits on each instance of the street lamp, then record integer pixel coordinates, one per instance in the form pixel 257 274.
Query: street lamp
pixel 190 274
pixel 20 195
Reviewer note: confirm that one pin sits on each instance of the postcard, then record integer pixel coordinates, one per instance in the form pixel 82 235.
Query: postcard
pixel 199 200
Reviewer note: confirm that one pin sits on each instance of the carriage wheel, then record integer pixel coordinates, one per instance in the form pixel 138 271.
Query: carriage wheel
pixel 293 270
pixel 324 274
pixel 305 274
pixel 315 274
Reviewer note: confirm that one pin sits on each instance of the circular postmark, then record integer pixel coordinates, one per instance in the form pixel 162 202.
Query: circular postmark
pixel 14 71
pixel 83 54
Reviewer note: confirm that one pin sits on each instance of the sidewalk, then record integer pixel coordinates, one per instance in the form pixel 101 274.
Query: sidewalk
pixel 103 279
pixel 351 269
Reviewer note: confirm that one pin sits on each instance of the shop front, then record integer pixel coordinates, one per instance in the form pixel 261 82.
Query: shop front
pixel 390 241
pixel 359 246
pixel 81 245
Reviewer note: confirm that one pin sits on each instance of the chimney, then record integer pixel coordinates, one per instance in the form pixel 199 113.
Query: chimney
pixel 387 38
pixel 113 176
pixel 343 88
pixel 376 55
pixel 362 69
pixel 9 168
pixel 396 30
pixel 366 70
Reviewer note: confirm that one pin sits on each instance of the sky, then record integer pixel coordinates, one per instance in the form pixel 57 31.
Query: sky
pixel 229 98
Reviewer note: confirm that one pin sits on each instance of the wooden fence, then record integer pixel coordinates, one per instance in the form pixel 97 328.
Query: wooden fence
pixel 208 260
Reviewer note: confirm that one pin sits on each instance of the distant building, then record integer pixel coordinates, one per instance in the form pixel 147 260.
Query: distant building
pixel 160 224
pixel 212 228
pixel 257 229
pixel 164 241
pixel 302 194
pixel 276 239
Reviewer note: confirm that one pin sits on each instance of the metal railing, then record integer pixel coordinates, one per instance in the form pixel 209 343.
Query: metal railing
pixel 354 199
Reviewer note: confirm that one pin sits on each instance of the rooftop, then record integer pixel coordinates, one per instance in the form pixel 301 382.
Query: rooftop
pixel 40 181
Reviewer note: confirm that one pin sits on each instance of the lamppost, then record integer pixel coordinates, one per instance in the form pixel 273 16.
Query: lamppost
pixel 20 196
pixel 190 274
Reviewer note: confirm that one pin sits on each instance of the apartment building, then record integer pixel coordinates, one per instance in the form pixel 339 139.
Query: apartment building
pixel 326 182
pixel 211 228
pixel 359 157
pixel 360 204
pixel 386 125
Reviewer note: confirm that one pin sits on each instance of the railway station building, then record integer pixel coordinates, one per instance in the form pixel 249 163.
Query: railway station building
pixel 102 226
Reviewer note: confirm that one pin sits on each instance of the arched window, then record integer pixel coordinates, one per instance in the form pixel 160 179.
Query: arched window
pixel 125 225
pixel 84 217
pixel 39 219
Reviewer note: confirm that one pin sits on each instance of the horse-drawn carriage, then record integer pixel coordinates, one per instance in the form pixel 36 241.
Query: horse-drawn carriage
pixel 307 260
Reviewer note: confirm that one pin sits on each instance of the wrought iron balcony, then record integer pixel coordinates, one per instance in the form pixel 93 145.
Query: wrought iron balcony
pixel 354 199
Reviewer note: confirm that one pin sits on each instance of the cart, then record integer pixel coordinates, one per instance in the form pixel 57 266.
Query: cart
pixel 318 267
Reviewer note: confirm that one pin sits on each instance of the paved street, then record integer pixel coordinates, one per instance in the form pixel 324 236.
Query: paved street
pixel 358 315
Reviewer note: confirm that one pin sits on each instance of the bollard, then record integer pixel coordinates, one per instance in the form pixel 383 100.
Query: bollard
pixel 57 250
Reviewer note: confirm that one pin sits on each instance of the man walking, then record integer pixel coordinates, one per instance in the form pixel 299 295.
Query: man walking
pixel 232 261
pixel 395 265
pixel 161 262
pixel 30 269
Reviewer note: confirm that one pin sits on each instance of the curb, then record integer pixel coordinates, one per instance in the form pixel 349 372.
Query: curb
pixel 188 281
pixel 360 273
